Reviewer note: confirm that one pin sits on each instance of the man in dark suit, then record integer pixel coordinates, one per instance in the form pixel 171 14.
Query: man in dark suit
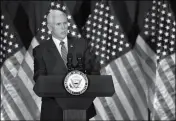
pixel 50 59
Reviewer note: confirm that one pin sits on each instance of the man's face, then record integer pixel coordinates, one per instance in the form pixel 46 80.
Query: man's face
pixel 58 25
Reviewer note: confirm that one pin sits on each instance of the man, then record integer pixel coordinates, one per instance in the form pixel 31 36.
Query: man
pixel 50 59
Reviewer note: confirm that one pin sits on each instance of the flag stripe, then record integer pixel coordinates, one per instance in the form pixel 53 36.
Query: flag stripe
pixel 149 73
pixel 25 74
pixel 6 73
pixel 149 65
pixel 119 92
pixel 124 70
pixel 28 61
pixel 100 109
pixel 4 114
pixel 158 108
pixel 162 106
pixel 107 108
pixel 26 93
pixel 18 108
pixel 161 85
pixel 25 79
pixel 147 51
pixel 163 74
pixel 97 116
pixel 28 56
pixel 140 87
pixel 168 66
pixel 9 65
pixel 155 116
pixel 13 62
pixel 20 54
pixel 121 79
pixel 34 43
pixel 150 76
pixel 143 81
pixel 129 85
pixel 113 107
pixel 18 99
pixel 148 70
pixel 150 94
pixel 131 63
pixel 140 48
pixel 130 77
pixel 173 58
pixel 9 109
pixel 27 85
pixel 120 89
pixel 26 71
pixel 163 91
pixel 8 97
pixel 121 110
pixel 139 70
pixel 31 100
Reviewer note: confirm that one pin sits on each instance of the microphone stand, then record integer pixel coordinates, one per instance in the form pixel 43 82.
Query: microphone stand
pixel 69 63
pixel 80 65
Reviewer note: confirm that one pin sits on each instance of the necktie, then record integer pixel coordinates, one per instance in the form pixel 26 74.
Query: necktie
pixel 63 52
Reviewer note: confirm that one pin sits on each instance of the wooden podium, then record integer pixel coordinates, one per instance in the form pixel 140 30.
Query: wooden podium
pixel 74 107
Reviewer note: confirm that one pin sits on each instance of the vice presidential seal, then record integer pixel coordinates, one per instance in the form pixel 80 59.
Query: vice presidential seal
pixel 76 82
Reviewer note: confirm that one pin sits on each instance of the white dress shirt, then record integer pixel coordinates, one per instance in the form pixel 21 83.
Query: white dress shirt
pixel 58 45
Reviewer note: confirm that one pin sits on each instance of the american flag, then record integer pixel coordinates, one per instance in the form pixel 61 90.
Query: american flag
pixel 32 103
pixel 156 49
pixel 113 52
pixel 11 56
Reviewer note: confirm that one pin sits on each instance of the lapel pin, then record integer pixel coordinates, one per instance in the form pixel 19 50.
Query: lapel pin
pixel 71 45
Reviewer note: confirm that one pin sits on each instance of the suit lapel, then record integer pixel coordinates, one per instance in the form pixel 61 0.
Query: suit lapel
pixel 53 51
pixel 72 48
pixel 71 45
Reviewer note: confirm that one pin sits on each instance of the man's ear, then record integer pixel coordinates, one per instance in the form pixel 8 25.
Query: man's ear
pixel 49 27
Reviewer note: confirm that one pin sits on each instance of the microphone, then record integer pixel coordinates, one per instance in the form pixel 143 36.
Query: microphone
pixel 69 62
pixel 80 65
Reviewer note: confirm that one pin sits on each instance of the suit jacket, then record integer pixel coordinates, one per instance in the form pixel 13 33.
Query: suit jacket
pixel 48 61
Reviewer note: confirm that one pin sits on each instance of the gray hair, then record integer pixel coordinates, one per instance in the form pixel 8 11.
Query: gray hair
pixel 54 12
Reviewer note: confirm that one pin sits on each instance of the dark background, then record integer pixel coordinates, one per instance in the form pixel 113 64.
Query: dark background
pixel 27 15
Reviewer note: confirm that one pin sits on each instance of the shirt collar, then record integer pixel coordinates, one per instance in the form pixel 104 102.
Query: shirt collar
pixel 59 41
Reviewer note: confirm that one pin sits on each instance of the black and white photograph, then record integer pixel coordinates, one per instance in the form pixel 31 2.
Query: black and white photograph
pixel 94 60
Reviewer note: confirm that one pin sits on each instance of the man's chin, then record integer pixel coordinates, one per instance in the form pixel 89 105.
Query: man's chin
pixel 63 37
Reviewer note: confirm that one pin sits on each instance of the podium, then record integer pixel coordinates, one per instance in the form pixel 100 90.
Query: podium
pixel 74 106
